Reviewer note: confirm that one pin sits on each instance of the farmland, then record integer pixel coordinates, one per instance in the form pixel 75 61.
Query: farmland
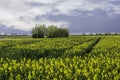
pixel 72 58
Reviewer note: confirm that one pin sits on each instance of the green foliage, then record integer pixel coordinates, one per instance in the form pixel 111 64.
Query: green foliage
pixel 54 31
pixel 37 48
pixel 39 31
pixel 51 32
pixel 60 59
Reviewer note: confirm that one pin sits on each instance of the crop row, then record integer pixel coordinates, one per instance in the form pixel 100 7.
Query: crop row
pixel 102 62
pixel 34 49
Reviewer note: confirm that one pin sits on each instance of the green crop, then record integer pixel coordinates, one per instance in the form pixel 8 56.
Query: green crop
pixel 73 58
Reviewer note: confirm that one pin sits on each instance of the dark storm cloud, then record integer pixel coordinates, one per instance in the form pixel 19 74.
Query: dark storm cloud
pixel 11 30
pixel 97 21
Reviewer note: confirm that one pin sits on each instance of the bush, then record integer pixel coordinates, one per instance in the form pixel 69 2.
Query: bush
pixel 54 31
pixel 38 31
pixel 51 32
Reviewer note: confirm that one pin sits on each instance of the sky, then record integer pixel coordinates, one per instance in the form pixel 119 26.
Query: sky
pixel 19 16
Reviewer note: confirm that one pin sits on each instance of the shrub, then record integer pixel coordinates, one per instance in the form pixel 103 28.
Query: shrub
pixel 54 31
pixel 51 31
pixel 38 31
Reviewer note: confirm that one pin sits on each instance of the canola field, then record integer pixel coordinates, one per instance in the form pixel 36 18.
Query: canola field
pixel 72 58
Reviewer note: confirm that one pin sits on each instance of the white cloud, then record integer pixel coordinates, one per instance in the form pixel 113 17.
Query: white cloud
pixel 70 6
pixel 89 14
pixel 20 15
pixel 112 0
pixel 42 1
pixel 49 22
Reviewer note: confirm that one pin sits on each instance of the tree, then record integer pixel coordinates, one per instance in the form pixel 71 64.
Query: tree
pixel 116 33
pixel 62 32
pixel 83 34
pixel 51 31
pixel 54 31
pixel 39 31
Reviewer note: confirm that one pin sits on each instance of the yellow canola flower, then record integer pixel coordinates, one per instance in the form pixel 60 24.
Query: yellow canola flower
pixel 65 71
pixel 18 77
pixel 10 68
pixel 78 71
pixel 33 73
pixel 55 79
pixel 5 65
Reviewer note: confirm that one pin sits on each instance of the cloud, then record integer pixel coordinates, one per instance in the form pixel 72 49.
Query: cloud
pixel 21 15
pixel 69 6
pixel 17 14
pixel 49 22
pixel 42 1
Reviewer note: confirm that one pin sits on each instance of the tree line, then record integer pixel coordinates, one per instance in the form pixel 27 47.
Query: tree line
pixel 52 31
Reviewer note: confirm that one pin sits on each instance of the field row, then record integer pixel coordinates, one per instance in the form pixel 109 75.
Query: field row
pixel 101 60
pixel 35 49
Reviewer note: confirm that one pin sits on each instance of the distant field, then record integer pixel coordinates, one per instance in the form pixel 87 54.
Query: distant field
pixel 72 58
